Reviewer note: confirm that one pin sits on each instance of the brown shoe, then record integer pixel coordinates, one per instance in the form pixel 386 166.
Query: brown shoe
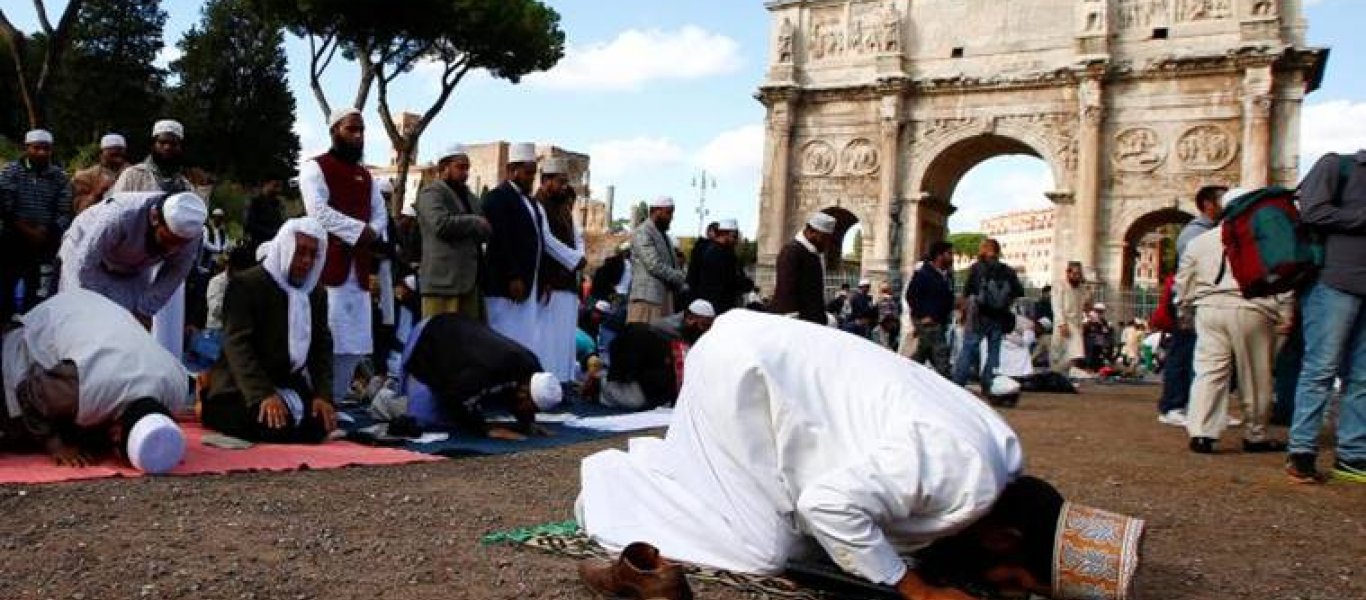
pixel 640 574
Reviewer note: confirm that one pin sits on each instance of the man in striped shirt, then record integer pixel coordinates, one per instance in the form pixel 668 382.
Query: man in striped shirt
pixel 35 205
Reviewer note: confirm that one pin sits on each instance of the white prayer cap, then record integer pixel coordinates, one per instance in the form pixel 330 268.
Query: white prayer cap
pixel 386 186
pixel 184 214
pixel 728 225
pixel 410 282
pixel 603 306
pixel 662 202
pixel 865 283
pixel 217 212
pixel 1234 194
pixel 454 150
pixel 701 308
pixel 112 140
pixel 554 166
pixel 822 222
pixel 38 136
pixel 546 391
pixel 1004 386
pixel 168 126
pixel 339 114
pixel 522 153
pixel 1100 306
pixel 155 444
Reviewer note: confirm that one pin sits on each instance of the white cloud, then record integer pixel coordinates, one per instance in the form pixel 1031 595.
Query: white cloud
pixel 636 57
pixel 734 154
pixel 1333 126
pixel 613 159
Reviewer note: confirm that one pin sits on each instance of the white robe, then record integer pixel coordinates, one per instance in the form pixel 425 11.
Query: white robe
pixel 560 326
pixel 1016 358
pixel 786 431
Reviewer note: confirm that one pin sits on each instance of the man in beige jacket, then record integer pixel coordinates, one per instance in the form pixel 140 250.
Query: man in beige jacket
pixel 1231 331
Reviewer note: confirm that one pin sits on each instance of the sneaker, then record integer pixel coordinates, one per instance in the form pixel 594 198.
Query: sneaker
pixel 1174 417
pixel 1350 470
pixel 1301 468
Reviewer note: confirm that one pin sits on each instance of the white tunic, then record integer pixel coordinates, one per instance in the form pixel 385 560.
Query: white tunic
pixel 348 305
pixel 786 431
pixel 116 360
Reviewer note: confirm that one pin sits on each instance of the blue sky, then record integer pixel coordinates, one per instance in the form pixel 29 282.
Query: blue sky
pixel 657 90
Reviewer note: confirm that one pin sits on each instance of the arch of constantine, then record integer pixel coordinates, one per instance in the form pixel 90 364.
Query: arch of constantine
pixel 877 109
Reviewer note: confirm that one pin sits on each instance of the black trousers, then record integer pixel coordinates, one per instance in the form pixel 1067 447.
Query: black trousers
pixel 230 414
pixel 20 263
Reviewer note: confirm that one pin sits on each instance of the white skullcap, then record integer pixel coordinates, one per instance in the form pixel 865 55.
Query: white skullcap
pixel 701 308
pixel 386 186
pixel 554 166
pixel 168 126
pixel 409 209
pixel 822 222
pixel 455 150
pixel 522 153
pixel 865 283
pixel 1004 386
pixel 546 391
pixel 184 215
pixel 603 306
pixel 728 225
pixel 662 202
pixel 338 115
pixel 38 136
pixel 1098 306
pixel 112 140
pixel 155 444
pixel 410 282
pixel 1234 194
pixel 217 212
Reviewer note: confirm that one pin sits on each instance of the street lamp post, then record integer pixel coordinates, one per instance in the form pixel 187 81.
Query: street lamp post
pixel 702 182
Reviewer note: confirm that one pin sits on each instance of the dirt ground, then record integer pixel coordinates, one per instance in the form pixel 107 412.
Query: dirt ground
pixel 1224 526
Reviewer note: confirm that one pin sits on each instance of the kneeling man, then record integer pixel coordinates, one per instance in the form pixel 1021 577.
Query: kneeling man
pixel 790 438
pixel 457 368
pixel 274 381
pixel 81 377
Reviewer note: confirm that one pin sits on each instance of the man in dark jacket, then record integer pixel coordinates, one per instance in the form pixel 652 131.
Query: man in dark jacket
pixel 274 381
pixel 699 249
pixel 930 296
pixel 452 229
pixel 990 292
pixel 719 278
pixel 800 288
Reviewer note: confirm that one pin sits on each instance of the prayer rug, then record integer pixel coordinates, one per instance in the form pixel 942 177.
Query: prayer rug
pixel 201 459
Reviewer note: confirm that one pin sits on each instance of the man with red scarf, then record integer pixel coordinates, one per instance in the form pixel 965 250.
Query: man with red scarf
pixel 339 192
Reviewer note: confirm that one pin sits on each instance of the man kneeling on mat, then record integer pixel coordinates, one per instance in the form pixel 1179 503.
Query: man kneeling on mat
pixel 273 382
pixel 457 368
pixel 82 377
pixel 791 441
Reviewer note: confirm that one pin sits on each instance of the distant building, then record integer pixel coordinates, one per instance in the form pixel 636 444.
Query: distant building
pixel 1026 239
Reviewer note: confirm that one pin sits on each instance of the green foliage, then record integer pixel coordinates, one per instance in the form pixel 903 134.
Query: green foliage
pixel 84 156
pixel 966 243
pixel 233 199
pixel 9 150
pixel 233 97
pixel 109 83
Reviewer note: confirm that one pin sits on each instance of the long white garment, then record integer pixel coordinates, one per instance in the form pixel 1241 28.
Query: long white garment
pixel 168 325
pixel 558 329
pixel 786 431
pixel 1016 357
pixel 116 360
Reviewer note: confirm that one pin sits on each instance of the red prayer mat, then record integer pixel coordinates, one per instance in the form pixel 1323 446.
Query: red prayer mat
pixel 201 459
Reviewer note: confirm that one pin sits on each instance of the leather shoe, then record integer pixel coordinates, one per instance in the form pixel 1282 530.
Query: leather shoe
pixel 1202 445
pixel 639 574
pixel 1263 446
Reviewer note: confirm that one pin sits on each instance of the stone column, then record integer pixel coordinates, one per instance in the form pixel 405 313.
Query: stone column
pixel 1257 105
pixel 1087 210
pixel 882 261
pixel 773 218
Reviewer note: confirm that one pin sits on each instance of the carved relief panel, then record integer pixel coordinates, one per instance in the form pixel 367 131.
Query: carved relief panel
pixel 839 173
pixel 861 28
pixel 1138 149
pixel 1206 148
pixel 1204 10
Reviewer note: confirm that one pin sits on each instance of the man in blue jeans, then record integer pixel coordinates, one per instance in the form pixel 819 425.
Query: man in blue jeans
pixel 991 289
pixel 1333 199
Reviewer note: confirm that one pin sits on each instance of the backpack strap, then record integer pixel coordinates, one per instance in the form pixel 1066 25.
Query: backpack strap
pixel 1344 174
pixel 1223 268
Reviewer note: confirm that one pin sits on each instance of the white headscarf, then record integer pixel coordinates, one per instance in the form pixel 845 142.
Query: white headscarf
pixel 279 256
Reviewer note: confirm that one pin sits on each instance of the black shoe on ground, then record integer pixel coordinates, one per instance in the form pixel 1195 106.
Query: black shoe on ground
pixel 1202 445
pixel 1263 446
pixel 1302 468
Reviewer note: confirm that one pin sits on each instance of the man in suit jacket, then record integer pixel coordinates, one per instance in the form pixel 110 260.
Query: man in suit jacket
pixel 719 278
pixel 274 381
pixel 656 272
pixel 800 289
pixel 453 229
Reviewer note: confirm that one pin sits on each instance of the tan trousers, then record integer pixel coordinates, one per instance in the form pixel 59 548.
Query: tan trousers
pixel 470 304
pixel 1226 337
pixel 641 311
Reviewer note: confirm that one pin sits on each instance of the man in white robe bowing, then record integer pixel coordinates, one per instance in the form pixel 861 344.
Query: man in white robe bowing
pixel 520 241
pixel 791 438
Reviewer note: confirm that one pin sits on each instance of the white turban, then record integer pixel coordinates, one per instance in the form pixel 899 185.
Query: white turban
pixel 554 166
pixel 522 153
pixel 38 136
pixel 662 202
pixel 701 308
pixel 168 126
pixel 112 140
pixel 546 391
pixel 338 115
pixel 184 214
pixel 155 444
pixel 279 257
pixel 822 222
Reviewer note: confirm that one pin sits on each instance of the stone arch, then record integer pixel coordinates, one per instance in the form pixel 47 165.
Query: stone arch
pixel 845 219
pixel 1135 229
pixel 939 166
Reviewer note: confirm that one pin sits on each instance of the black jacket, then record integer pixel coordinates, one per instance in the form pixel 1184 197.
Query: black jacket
pixel 641 354
pixel 930 294
pixel 801 284
pixel 515 245
pixel 719 279
pixel 468 366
